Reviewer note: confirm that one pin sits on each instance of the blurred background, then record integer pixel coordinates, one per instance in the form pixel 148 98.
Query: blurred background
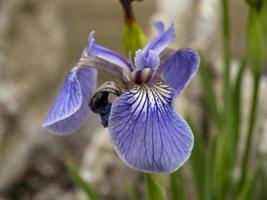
pixel 40 41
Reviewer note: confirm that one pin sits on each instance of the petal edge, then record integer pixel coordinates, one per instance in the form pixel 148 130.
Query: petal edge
pixel 70 109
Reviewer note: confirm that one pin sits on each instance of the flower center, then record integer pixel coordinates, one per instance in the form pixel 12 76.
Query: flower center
pixel 142 76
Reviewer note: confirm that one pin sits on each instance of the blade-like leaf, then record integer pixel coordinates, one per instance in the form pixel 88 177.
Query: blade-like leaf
pixel 208 91
pixel 79 181
pixel 249 186
pixel 262 193
pixel 237 104
pixel 132 192
pixel 256 51
pixel 197 160
pixel 209 182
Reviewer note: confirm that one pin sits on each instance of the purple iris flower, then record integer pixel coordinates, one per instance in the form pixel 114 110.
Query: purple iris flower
pixel 145 130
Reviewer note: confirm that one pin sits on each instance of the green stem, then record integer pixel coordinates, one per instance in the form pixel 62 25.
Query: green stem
pixel 226 51
pixel 155 187
pixel 250 131
pixel 208 91
pixel 223 146
pixel 227 90
pixel 177 186
pixel 237 105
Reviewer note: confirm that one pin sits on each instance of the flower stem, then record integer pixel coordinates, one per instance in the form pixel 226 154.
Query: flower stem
pixel 223 145
pixel 227 90
pixel 177 186
pixel 155 187
pixel 133 36
pixel 128 11
pixel 226 52
pixel 250 131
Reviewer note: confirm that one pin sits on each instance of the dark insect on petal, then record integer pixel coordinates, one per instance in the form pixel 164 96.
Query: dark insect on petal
pixel 99 102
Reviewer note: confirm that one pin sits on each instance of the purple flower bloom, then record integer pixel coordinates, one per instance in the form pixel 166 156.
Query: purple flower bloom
pixel 145 130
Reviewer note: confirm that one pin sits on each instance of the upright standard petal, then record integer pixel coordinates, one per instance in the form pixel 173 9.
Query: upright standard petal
pixel 163 39
pixel 180 68
pixel 150 56
pixel 106 54
pixel 70 109
pixel 146 131
pixel 151 61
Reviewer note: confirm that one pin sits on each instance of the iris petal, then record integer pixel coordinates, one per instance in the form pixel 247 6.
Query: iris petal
pixel 70 109
pixel 150 56
pixel 165 55
pixel 146 131
pixel 139 60
pixel 106 54
pixel 100 64
pixel 163 39
pixel 151 61
pixel 180 68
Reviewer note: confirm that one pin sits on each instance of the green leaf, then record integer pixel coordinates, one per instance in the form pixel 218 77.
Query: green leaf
pixel 197 159
pixel 237 104
pixel 223 168
pixel 250 135
pixel 262 193
pixel 132 192
pixel 263 14
pixel 177 185
pixel 79 181
pixel 208 91
pixel 209 182
pixel 250 186
pixel 263 20
pixel 254 3
pixel 255 43
pixel 155 187
pixel 133 38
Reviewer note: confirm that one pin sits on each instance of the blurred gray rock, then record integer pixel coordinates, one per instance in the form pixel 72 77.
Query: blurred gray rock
pixel 40 41
pixel 29 63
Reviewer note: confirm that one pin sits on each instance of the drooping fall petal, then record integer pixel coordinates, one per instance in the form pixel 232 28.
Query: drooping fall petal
pixel 70 109
pixel 146 131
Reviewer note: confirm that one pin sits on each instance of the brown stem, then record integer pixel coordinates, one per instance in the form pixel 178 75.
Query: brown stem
pixel 128 11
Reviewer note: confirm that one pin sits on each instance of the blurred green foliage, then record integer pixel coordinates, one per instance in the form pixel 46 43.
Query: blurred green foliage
pixel 80 182
pixel 214 162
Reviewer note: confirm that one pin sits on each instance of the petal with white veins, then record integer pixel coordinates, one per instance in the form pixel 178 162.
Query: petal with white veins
pixel 146 131
pixel 70 109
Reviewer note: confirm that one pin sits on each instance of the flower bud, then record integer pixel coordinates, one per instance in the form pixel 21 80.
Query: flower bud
pixel 133 38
